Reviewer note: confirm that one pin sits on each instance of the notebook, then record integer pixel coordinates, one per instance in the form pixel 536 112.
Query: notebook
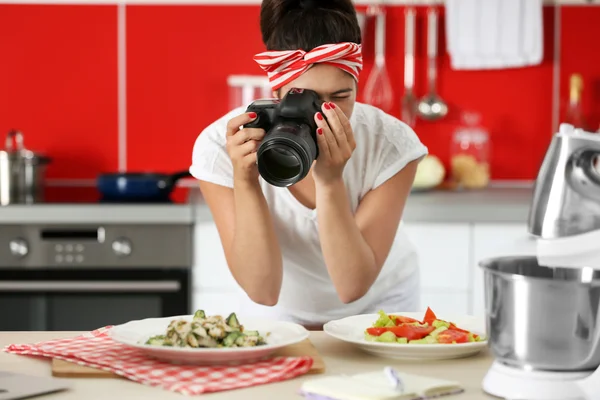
pixel 19 386
pixel 377 386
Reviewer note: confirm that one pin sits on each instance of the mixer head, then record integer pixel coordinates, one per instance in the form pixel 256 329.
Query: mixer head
pixel 565 211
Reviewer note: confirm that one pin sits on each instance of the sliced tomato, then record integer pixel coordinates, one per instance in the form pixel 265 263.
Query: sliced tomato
pixel 451 336
pixel 429 316
pixel 403 320
pixel 376 331
pixel 456 328
pixel 412 332
pixel 408 331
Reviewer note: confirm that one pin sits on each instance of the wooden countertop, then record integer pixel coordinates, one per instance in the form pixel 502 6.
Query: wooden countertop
pixel 339 358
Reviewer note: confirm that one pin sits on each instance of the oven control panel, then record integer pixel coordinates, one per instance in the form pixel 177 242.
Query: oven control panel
pixel 69 253
pixel 108 246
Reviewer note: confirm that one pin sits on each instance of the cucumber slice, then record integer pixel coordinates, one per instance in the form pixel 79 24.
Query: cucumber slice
pixel 387 337
pixel 199 315
pixel 157 340
pixel 231 338
pixel 232 321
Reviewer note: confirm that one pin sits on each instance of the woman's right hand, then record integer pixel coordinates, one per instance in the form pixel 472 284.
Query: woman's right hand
pixel 242 145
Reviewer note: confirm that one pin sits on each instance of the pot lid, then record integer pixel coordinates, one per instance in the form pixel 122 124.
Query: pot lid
pixel 14 146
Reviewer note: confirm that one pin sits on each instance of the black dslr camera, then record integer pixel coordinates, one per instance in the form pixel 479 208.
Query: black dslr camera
pixel 289 147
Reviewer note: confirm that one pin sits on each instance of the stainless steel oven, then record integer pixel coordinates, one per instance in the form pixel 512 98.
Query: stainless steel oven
pixel 82 277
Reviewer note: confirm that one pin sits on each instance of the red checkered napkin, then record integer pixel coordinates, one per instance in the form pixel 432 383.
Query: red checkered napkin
pixel 96 349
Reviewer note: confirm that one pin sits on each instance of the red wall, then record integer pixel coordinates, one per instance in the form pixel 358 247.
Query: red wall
pixel 58 81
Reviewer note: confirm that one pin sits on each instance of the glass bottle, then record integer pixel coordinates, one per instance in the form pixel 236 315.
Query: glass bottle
pixel 574 112
pixel 469 154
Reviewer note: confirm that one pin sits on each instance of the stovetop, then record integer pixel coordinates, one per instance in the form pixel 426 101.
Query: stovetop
pixel 135 201
pixel 105 201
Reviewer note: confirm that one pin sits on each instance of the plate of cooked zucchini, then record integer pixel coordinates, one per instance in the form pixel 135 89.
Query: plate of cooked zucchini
pixel 208 339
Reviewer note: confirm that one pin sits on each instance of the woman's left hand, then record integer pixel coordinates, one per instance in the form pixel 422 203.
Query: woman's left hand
pixel 336 144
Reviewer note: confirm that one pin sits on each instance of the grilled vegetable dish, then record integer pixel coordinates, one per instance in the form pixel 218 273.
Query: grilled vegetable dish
pixel 212 332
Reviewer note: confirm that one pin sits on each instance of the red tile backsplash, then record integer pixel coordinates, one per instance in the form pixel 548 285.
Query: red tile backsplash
pixel 515 104
pixel 59 83
pixel 579 54
pixel 178 62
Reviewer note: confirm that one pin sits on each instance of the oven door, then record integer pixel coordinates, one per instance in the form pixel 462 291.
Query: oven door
pixel 86 299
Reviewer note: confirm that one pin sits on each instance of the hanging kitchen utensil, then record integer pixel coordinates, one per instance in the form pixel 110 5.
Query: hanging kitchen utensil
pixel 409 101
pixel 21 172
pixel 432 107
pixel 138 187
pixel 378 89
pixel 362 21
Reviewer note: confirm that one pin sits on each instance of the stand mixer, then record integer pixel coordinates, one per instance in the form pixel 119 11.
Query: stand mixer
pixel 543 311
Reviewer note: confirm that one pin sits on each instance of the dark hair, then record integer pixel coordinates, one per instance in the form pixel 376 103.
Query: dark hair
pixel 306 24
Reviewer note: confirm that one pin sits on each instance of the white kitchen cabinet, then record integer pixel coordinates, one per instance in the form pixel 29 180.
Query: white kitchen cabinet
pixel 210 266
pixel 493 240
pixel 444 254
pixel 445 301
pixel 451 280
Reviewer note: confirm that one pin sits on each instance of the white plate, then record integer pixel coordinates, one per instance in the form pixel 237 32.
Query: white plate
pixel 351 330
pixel 281 334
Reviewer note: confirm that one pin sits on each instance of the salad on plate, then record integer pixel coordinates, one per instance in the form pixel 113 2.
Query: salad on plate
pixel 390 328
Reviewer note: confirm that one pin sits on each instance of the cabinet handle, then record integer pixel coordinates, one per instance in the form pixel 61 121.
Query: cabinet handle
pixel 86 286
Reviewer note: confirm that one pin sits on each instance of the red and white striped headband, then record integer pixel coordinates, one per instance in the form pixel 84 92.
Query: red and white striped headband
pixel 284 66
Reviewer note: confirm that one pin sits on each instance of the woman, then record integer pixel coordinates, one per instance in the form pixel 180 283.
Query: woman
pixel 329 246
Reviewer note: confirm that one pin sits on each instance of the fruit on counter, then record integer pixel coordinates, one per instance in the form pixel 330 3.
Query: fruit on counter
pixel 468 172
pixel 430 173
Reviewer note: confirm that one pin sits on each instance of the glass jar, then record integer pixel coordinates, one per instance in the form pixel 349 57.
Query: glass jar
pixel 469 154
pixel 244 89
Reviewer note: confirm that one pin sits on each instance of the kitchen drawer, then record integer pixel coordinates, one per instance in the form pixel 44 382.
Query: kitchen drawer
pixel 445 301
pixel 210 266
pixel 444 254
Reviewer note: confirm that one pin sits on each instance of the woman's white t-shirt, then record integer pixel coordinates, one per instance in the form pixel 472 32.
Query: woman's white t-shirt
pixel 384 145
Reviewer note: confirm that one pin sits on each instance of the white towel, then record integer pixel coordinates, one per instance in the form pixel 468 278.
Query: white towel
pixel 494 34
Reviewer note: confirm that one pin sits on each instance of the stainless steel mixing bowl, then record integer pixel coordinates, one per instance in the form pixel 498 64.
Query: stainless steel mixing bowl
pixel 542 318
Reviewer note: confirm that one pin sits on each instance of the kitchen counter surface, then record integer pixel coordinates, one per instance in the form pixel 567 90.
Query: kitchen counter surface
pixel 495 204
pixel 339 357
pixel 52 213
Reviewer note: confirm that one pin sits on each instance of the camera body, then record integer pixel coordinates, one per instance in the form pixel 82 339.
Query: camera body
pixel 289 147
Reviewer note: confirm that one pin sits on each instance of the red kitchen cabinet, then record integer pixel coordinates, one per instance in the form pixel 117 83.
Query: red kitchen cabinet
pixel 178 60
pixel 58 84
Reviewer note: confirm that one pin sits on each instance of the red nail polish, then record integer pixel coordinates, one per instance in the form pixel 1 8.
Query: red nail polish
pixel 252 115
pixel 320 131
pixel 332 105
pixel 327 107
pixel 319 117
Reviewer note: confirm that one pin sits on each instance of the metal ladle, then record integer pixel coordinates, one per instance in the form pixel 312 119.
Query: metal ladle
pixel 432 107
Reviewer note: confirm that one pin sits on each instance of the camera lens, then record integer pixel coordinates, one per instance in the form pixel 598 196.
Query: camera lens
pixel 286 154
pixel 282 163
